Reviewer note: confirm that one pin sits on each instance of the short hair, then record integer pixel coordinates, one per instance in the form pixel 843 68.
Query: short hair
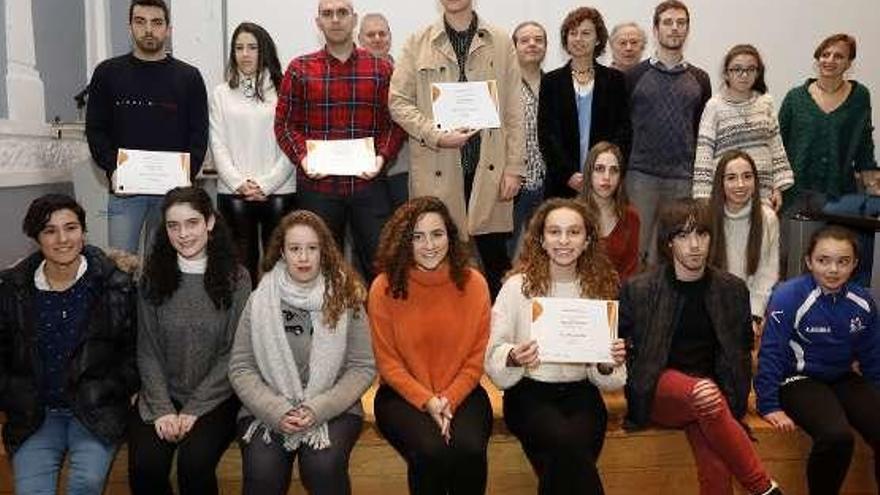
pixel 615 32
pixel 837 38
pixel 681 216
pixel 42 208
pixel 670 5
pixel 836 232
pixel 525 24
pixel 150 3
pixel 374 15
pixel 580 15
pixel 760 85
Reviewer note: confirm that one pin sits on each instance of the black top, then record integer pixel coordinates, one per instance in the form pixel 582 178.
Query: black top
pixel 461 43
pixel 693 342
pixel 156 106
pixel 558 133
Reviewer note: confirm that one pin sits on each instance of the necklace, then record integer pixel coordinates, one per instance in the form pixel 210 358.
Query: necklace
pixel 582 72
pixel 830 91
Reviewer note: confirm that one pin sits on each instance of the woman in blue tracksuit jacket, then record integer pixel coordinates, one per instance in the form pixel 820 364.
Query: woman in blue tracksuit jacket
pixel 818 326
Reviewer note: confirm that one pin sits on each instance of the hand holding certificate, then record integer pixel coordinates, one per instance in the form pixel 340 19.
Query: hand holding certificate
pixel 465 105
pixel 572 330
pixel 341 157
pixel 150 172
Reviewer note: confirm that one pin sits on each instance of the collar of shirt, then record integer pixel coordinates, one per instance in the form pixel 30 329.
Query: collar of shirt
pixel 681 64
pixel 42 283
pixel 355 53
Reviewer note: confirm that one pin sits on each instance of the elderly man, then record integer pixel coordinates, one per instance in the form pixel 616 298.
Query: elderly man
pixel 628 42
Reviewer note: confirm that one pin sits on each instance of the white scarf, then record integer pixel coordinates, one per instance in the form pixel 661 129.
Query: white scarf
pixel 275 358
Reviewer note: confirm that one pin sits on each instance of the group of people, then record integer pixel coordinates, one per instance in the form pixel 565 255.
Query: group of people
pixel 247 323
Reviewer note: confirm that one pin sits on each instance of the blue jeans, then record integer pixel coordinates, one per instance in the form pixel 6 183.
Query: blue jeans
pixel 525 203
pixel 36 464
pixel 126 215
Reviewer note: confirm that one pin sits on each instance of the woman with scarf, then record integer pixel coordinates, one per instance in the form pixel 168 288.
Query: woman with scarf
pixel 300 363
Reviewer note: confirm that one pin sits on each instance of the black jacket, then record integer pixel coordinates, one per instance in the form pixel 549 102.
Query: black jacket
pixel 558 134
pixel 103 371
pixel 650 308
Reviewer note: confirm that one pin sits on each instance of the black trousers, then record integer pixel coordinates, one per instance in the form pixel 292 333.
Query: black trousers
pixel 828 412
pixel 561 427
pixel 433 467
pixel 366 211
pixel 149 457
pixel 267 467
pixel 252 222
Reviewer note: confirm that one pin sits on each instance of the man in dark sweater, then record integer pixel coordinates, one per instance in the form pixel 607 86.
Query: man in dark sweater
pixel 145 100
pixel 667 96
pixel 688 327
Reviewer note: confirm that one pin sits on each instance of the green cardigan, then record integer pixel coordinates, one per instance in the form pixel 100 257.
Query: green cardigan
pixel 826 149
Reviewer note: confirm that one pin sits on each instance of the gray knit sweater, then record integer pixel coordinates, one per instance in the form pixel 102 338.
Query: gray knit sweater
pixel 266 404
pixel 183 349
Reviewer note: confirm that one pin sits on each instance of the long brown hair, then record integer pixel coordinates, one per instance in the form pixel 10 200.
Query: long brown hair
pixel 621 201
pixel 718 247
pixel 395 258
pixel 343 287
pixel 595 272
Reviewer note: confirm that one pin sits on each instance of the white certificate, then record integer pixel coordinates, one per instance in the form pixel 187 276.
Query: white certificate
pixel 465 105
pixel 341 156
pixel 150 172
pixel 572 330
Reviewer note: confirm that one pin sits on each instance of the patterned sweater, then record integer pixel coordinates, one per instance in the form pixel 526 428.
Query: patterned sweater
pixel 749 126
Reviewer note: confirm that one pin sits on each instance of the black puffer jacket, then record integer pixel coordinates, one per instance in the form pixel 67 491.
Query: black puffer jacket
pixel 650 308
pixel 103 370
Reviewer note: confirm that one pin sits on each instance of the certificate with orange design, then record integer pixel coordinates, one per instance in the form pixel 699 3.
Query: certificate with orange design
pixel 465 105
pixel 341 156
pixel 570 330
pixel 150 172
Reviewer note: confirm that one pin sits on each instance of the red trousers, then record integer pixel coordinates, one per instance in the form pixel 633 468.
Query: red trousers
pixel 720 445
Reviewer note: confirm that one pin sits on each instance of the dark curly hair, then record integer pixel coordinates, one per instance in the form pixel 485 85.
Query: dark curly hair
pixel 343 286
pixel 42 208
pixel 596 274
pixel 161 273
pixel 575 18
pixel 395 258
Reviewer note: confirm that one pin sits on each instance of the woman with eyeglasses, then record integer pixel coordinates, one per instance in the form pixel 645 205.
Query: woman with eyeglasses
pixel 742 117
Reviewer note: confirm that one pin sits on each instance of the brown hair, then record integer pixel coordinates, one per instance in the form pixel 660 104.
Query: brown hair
pixel 579 15
pixel 620 199
pixel 835 232
pixel 596 274
pixel 718 246
pixel 680 216
pixel 344 289
pixel 670 5
pixel 394 257
pixel 760 85
pixel 837 38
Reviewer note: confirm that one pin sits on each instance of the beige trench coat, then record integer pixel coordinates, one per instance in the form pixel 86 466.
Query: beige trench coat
pixel 427 58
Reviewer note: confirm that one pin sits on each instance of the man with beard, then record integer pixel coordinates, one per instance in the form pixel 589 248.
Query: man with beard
pixel 145 100
pixel 667 96
pixel 689 335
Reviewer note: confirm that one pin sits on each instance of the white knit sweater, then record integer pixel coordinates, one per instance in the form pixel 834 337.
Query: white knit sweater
pixel 736 234
pixel 243 141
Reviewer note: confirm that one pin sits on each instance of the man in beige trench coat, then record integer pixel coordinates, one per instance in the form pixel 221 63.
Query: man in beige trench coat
pixel 475 173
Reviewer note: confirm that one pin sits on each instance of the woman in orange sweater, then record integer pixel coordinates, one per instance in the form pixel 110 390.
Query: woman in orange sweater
pixel 429 315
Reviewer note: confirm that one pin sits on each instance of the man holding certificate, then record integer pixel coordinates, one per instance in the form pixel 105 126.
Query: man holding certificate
pixel 690 330
pixel 340 152
pixel 146 124
pixel 552 347
pixel 455 91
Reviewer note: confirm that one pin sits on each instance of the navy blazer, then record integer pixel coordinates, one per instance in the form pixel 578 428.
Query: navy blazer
pixel 558 134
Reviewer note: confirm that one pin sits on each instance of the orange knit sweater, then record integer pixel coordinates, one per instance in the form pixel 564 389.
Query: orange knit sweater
pixel 432 342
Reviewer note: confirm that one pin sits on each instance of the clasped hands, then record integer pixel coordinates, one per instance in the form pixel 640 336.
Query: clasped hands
pixel 251 191
pixel 440 410
pixel 525 354
pixel 174 427
pixel 380 162
pixel 297 419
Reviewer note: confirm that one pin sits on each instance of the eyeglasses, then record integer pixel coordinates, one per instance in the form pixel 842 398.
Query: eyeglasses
pixel 340 13
pixel 742 71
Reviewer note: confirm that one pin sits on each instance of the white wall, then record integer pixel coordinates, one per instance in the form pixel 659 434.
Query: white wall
pixel 785 31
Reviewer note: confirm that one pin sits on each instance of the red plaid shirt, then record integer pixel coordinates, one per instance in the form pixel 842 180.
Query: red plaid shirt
pixel 323 98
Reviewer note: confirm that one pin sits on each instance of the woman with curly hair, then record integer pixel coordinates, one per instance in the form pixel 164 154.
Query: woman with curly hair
pixel 191 295
pixel 555 409
pixel 429 313
pixel 300 363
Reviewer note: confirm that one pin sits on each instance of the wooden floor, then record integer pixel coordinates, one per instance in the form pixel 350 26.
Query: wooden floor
pixel 651 462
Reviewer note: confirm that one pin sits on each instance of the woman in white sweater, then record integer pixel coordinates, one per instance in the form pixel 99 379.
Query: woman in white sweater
pixel 257 182
pixel 742 117
pixel 555 409
pixel 745 237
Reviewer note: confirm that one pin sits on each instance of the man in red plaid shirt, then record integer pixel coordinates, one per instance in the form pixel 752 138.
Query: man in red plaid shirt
pixel 340 92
